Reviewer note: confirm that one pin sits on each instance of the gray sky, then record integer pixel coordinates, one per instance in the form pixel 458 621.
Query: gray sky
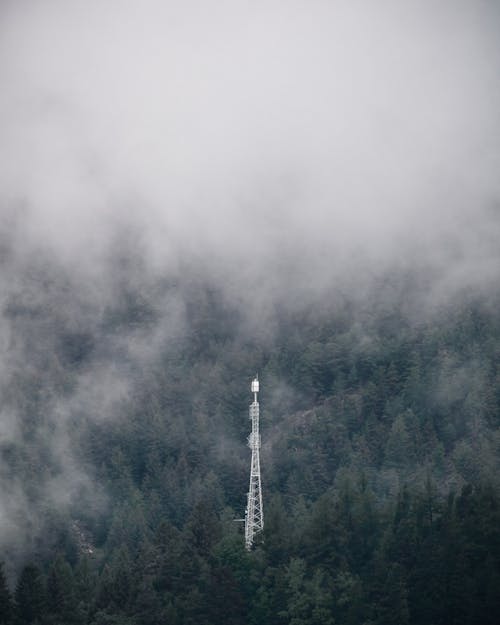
pixel 254 132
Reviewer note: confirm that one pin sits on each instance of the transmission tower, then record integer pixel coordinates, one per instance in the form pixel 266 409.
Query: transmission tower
pixel 254 514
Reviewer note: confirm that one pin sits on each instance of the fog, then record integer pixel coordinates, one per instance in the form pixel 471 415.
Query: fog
pixel 254 134
pixel 284 149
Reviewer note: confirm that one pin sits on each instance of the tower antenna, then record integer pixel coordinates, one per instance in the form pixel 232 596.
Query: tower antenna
pixel 254 514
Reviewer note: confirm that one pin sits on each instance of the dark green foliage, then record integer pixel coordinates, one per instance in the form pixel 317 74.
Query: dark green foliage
pixel 30 597
pixel 61 600
pixel 381 447
pixel 420 558
pixel 6 605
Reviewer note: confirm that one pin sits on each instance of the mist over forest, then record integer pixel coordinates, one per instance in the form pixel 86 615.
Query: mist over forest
pixel 194 192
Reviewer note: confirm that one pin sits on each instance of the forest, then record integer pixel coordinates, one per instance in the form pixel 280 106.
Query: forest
pixel 193 193
pixel 380 423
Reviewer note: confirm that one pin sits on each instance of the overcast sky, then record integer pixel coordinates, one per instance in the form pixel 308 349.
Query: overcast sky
pixel 253 131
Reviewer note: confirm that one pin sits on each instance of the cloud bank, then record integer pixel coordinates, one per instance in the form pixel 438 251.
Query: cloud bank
pixel 256 135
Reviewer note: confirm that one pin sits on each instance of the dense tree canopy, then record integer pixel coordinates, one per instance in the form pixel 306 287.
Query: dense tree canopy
pixel 381 440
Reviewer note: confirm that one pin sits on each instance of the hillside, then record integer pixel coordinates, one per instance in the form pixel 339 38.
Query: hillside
pixel 128 463
pixel 193 193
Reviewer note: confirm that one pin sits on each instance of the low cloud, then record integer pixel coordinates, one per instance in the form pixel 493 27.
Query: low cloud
pixel 275 138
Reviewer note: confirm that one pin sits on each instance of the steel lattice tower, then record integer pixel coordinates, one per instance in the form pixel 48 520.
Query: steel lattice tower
pixel 254 514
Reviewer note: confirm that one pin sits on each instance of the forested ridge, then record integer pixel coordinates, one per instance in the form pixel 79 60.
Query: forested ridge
pixel 193 193
pixel 128 465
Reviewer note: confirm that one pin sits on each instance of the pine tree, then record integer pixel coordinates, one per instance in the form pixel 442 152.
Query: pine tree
pixel 6 606
pixel 203 527
pixel 393 605
pixel 61 599
pixel 299 603
pixel 85 584
pixel 29 596
pixel 398 450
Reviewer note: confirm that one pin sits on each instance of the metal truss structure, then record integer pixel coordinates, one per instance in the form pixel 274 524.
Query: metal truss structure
pixel 254 514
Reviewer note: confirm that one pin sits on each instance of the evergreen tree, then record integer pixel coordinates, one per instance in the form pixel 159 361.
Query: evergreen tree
pixel 29 596
pixel 60 593
pixel 299 602
pixel 392 608
pixel 85 587
pixel 6 606
pixel 203 528
pixel 399 449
